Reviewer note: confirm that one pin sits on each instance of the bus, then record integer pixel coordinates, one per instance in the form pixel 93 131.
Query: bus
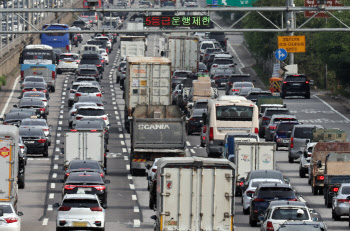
pixel 56 40
pixel 39 60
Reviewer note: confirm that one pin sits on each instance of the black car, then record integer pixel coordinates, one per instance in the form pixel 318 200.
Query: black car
pixel 93 59
pixel 36 86
pixel 264 194
pixel 84 165
pixel 36 104
pixel 101 122
pixel 35 140
pixel 282 133
pixel 89 182
pixel 81 24
pixel 195 122
pixel 220 80
pixel 15 118
pixel 295 85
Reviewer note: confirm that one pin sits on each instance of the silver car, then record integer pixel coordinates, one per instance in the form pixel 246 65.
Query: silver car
pixel 36 94
pixel 33 79
pixel 74 109
pixel 275 119
pixel 298 137
pixel 88 90
pixel 341 202
pixel 305 159
pixel 41 123
pixel 75 86
pixel 80 210
pixel 91 112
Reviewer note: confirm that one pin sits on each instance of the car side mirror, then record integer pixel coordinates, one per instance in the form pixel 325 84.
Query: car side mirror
pixel 15 105
pixel 19 213
pixel 154 217
pixel 107 181
pixel 287 180
pixel 60 181
pixel 319 164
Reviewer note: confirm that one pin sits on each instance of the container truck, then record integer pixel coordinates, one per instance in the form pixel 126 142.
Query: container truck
pixel 195 193
pixel 9 149
pixel 183 52
pixel 85 145
pixel 157 131
pixel 133 46
pixel 148 82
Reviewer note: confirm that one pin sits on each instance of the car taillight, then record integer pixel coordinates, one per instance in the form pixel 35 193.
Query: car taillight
pixel 154 170
pixel 21 146
pixel 99 95
pixel 11 219
pixel 77 94
pixel 41 141
pixel 343 200
pixel 104 117
pixel 307 82
pixel 265 118
pixel 294 199
pixel 241 183
pixel 73 130
pixel 67 48
pixel 269 226
pixel 102 61
pixel 192 119
pixel 335 189
pixel 319 177
pixel 100 187
pixel 230 84
pixel 46 129
pixel 235 90
pixel 22 75
pixel 204 129
pixel 73 113
pixel 24 90
pixel 67 174
pixel 64 208
pixel 249 192
pixel 211 134
pixel 102 175
pixel 284 82
pixel 258 200
pixel 292 142
pixel 215 65
pixel 53 75
pixel 272 127
pixel 256 130
pixel 78 117
pixel 98 65
pixel 43 91
pixel 69 187
pixel 42 109
pixel 96 209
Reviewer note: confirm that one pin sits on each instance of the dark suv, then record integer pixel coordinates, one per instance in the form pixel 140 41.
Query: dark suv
pixel 93 59
pixel 264 194
pixel 295 85
pixel 88 70
pixel 283 132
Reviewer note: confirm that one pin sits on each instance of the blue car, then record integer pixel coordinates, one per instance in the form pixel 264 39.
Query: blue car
pixel 283 132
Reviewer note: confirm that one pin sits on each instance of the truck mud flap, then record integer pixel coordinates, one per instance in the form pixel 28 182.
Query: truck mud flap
pixel 138 167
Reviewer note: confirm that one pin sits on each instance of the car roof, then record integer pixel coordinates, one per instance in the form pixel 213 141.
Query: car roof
pixel 287 203
pixel 80 196
pixel 283 116
pixel 273 185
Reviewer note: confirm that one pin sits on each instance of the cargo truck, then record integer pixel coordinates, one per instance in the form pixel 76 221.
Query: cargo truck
pixel 317 162
pixel 183 52
pixel 9 149
pixel 148 82
pixel 157 131
pixel 195 193
pixel 133 46
pixel 336 172
pixel 202 88
pixel 85 145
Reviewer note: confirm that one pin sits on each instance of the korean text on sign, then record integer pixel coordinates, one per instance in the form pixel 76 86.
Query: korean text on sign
pixel 292 44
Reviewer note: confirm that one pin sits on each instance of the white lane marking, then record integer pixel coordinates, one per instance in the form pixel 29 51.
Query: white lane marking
pixel 54 175
pixel 129 177
pixel 114 103
pixel 53 185
pixel 112 89
pixel 113 94
pixel 188 143
pixel 64 93
pixel 124 150
pixel 239 60
pixel 192 151
pixel 62 102
pixel 57 157
pixel 121 136
pixel 119 123
pixel 51 196
pixel 136 209
pixel 59 128
pixel 61 111
pixel 111 85
pixel 122 142
pixel 132 187
pixel 62 106
pixel 332 109
pixel 57 149
pixel 61 116
pixel 46 221
pixel 137 223
pixel 58 134
pixel 58 141
pixel 120 129
pixel 63 97
pixel 55 166
pixel 115 108
pixel 10 97
pixel 127 167
pixel 60 122
pixel 116 112
pixel 134 197
pixel 126 158
pixel 49 208
pixel 113 98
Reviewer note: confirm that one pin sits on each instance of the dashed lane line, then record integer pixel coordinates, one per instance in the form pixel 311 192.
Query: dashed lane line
pixel 129 177
pixel 54 175
pixel 46 221
pixel 132 187
pixel 137 223
pixel 128 167
pixel 49 208
pixel 134 197
pixel 126 158
pixel 53 185
pixel 51 196
pixel 136 209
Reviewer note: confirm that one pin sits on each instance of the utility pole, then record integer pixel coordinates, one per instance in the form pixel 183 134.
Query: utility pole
pixel 290 25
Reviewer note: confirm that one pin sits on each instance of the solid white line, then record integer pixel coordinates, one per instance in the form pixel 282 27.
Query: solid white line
pixel 49 208
pixel 46 220
pixel 51 196
pixel 137 223
pixel 239 60
pixel 124 150
pixel 53 185
pixel 332 109
pixel 126 158
pixel 136 209
pixel 54 175
pixel 129 177
pixel 132 187
pixel 127 167
pixel 55 166
pixel 10 97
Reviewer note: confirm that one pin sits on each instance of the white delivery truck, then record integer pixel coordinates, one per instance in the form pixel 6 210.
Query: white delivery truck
pixel 195 193
pixel 148 82
pixel 133 46
pixel 85 145
pixel 9 138
pixel 183 52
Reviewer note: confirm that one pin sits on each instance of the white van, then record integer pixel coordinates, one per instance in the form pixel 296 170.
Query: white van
pixel 89 49
pixel 229 115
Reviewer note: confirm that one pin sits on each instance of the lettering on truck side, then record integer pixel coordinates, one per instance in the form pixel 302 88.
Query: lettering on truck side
pixel 153 127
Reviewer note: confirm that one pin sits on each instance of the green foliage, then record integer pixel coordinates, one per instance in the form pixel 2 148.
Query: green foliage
pixel 2 80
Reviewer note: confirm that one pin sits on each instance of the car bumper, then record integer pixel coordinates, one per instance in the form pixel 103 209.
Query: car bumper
pixel 246 202
pixel 294 154
pixel 342 209
pixel 10 227
pixel 295 92
pixel 282 142
pixel 90 224
pixel 214 149
pixel 36 150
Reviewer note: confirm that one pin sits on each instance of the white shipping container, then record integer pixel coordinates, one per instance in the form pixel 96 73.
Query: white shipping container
pixel 195 194
pixel 84 145
pixel 132 46
pixel 9 136
pixel 148 82
pixel 134 26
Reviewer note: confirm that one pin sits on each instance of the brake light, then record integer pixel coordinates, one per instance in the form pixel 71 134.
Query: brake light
pixel 98 65
pixel 235 90
pixel 258 200
pixel 96 209
pixel 335 189
pixel 42 109
pixel 64 208
pixel 78 117
pixel 272 127
pixel 269 226
pixel 100 187
pixel 24 90
pixel 204 129
pixel 11 220
pixel 102 61
pixel 21 146
pixel 67 48
pixel 43 91
pixel 22 75
pixel 249 192
pixel 211 134
pixel 230 84
pixel 343 200
pixel 307 82
pixel 192 119
pixel 319 177
pixel 99 95
pixel 154 170
pixel 265 118
pixel 67 174
pixel 241 183
pixel 104 117
pixel 231 65
pixel 41 141
pixel 69 187
pixel 77 94
pixel 93 130
pixel 294 199
pixel 284 82
pixel 102 175
pixel 215 65
pixel 73 130
pixel 73 113
pixel 256 130
pixel 46 130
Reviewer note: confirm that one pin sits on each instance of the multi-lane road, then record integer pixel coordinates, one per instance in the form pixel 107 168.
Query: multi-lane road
pixel 127 195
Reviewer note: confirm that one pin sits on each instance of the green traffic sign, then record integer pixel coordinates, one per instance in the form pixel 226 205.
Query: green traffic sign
pixel 237 3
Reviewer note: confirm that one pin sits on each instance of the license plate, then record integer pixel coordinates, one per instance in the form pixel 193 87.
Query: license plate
pixel 296 84
pixel 223 84
pixel 68 61
pixel 79 224
pixel 87 189
pixel 201 121
pixel 285 141
pixel 29 142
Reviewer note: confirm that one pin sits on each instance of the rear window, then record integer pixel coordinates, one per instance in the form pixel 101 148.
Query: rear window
pixel 88 90
pixel 91 112
pixel 74 57
pixel 274 112
pixel 33 79
pixel 276 192
pixel 303 132
pixel 34 122
pixel 82 23
pixel 271 175
pixel 285 127
pixel 234 113
pixel 207 45
pixel 90 61
pixel 223 61
pixel 290 214
pixel 6 208
pixel 181 74
pixel 256 95
pixel 84 177
pixel 31 104
pixel 30 132
pixel 87 72
pixel 83 166
pixel 88 126
pixel 300 78
pixel 256 183
pixel 243 85
pixel 80 203
pixel 345 190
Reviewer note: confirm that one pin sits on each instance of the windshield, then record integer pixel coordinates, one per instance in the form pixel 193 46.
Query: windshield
pixel 295 78
pixel 234 113
pixel 91 112
pixel 207 45
pixel 80 203
pixel 290 214
pixel 303 132
pixel 276 192
pixel 88 90
pixel 87 72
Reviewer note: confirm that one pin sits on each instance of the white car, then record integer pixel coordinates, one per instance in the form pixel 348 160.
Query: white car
pixel 88 89
pixel 105 38
pixel 341 202
pixel 279 212
pixel 104 54
pixel 222 61
pixel 249 192
pixel 80 211
pixel 91 112
pixel 68 62
pixel 74 109
pixel 305 159
pixel 151 173
pixel 73 89
pixel 9 218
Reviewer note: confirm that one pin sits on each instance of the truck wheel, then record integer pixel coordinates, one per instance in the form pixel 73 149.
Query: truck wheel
pixel 21 183
pixel 320 190
pixel 283 96
pixel 151 204
pixel 301 173
pixel 71 124
pixel 53 89
pixel 335 216
pixel 290 160
pixel 328 202
pixel 314 190
pixel 307 96
pixel 202 145
pixel 251 222
pixel 246 211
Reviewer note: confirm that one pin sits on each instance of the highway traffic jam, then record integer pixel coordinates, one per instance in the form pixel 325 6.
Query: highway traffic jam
pixel 164 132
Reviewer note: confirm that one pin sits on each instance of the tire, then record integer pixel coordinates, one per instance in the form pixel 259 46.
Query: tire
pixel 59 229
pixel 290 160
pixel 46 152
pixel 151 204
pixel 246 211
pixel 59 72
pixel 252 223
pixel 283 96
pixel 320 190
pixel 71 124
pixel 301 173
pixel 118 79
pixel 314 190
pixel 307 96
pixel 50 143
pixel 70 103
pixel 21 182
pixel 335 216
pixel 202 145
pixel 328 203
pixel 53 89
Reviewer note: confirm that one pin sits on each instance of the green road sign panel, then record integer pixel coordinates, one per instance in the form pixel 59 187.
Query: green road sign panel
pixel 237 3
